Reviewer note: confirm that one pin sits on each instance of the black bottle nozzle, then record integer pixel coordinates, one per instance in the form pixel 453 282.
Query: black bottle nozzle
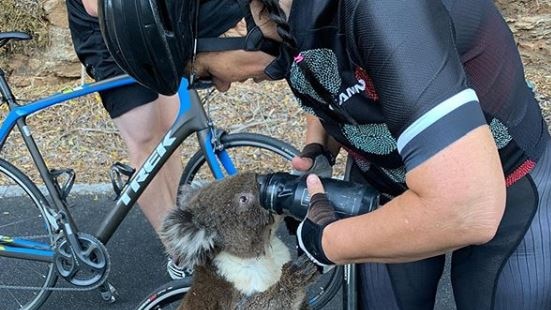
pixel 284 193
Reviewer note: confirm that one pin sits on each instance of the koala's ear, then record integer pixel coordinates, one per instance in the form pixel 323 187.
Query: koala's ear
pixel 186 192
pixel 189 244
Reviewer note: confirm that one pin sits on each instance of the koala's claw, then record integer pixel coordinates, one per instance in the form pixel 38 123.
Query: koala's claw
pixel 300 271
pixel 305 264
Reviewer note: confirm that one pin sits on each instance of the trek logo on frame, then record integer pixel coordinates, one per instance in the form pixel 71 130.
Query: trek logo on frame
pixel 148 166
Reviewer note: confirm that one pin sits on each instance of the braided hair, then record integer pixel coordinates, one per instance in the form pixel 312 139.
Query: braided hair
pixel 278 16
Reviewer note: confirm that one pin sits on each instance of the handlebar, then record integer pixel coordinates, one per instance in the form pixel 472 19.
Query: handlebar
pixel 5 37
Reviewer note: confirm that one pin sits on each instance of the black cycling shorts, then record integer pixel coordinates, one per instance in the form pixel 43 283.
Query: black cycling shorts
pixel 92 52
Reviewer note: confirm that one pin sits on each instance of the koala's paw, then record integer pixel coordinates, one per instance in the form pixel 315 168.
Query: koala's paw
pixel 299 272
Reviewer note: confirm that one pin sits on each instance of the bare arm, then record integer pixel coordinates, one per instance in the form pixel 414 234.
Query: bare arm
pixel 91 7
pixel 456 198
pixel 315 133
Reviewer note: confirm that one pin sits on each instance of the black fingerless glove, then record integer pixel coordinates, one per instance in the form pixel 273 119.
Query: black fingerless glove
pixel 313 150
pixel 323 161
pixel 310 231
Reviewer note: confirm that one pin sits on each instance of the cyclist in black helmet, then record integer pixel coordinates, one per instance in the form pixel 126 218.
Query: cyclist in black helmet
pixel 430 101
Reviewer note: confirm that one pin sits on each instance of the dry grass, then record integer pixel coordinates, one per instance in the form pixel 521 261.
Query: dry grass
pixel 79 134
pixel 23 15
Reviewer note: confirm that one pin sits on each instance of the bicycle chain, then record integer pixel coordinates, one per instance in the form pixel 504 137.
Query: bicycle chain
pixel 30 237
pixel 62 289
pixel 65 289
pixel 36 288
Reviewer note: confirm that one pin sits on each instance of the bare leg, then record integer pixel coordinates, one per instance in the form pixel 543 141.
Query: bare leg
pixel 142 128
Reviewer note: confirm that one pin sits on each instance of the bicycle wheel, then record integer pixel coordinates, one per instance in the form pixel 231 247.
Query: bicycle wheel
pixel 263 154
pixel 248 151
pixel 22 216
pixel 166 297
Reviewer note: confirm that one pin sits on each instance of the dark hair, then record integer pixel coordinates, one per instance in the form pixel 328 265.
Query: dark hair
pixel 278 16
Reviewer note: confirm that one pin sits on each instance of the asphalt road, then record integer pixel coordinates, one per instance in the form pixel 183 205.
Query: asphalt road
pixel 138 262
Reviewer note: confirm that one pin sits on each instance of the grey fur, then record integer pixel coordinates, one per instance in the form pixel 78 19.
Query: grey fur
pixel 222 232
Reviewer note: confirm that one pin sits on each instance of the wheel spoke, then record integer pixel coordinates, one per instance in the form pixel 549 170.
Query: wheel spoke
pixel 21 218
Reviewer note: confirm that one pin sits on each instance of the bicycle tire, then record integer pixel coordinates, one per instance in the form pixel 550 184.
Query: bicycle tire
pixel 17 194
pixel 166 297
pixel 332 280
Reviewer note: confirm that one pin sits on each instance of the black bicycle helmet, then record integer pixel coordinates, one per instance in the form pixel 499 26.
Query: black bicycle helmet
pixel 154 40
pixel 151 40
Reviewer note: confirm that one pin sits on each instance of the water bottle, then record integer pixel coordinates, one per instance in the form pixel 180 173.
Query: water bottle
pixel 287 194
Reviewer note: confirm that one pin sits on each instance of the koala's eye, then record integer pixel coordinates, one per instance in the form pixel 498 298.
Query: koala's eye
pixel 243 199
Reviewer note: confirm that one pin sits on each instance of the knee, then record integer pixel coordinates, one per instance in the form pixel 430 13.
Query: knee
pixel 140 145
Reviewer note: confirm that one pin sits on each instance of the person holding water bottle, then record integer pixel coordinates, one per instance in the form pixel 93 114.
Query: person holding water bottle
pixel 428 98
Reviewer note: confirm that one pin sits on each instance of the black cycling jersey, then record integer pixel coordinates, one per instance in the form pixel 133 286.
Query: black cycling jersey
pixel 397 81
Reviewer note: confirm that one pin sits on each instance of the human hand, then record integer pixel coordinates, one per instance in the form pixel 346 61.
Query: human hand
pixel 314 158
pixel 320 214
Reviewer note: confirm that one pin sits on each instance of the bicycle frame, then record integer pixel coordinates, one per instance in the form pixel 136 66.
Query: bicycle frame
pixel 191 118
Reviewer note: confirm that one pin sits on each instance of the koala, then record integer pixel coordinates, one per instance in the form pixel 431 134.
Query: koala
pixel 221 231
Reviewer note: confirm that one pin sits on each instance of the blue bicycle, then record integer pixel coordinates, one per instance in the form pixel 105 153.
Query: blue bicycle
pixel 39 239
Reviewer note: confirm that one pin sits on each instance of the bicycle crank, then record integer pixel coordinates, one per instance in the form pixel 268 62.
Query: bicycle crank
pixel 89 268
